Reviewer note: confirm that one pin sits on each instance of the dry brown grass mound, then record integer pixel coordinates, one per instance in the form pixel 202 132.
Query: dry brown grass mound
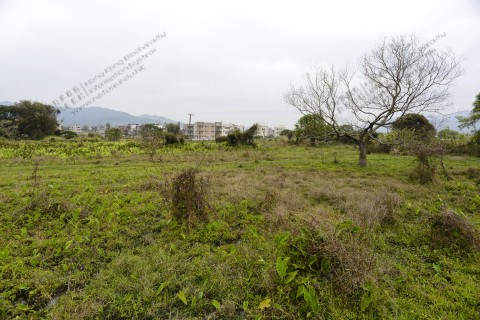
pixel 449 229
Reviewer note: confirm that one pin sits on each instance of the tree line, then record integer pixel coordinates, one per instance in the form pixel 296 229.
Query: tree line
pixel 28 120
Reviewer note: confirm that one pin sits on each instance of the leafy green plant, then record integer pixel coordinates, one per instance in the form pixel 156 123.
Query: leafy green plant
pixel 367 296
pixel 282 270
pixel 307 292
pixel 181 295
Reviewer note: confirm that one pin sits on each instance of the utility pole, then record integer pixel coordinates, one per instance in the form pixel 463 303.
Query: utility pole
pixel 190 131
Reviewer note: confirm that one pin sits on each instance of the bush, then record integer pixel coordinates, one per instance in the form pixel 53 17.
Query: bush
pixel 221 139
pixel 473 173
pixel 69 134
pixel 423 173
pixel 237 138
pixel 428 154
pixel 448 229
pixel 171 138
pixel 345 256
pixel 187 195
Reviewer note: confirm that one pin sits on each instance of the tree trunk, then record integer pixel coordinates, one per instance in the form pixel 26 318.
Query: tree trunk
pixel 362 160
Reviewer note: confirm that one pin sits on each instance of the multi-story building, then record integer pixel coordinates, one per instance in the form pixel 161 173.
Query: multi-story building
pixel 213 130
pixel 230 127
pixel 75 128
pixel 206 130
pixel 278 130
pixel 101 130
pixel 132 129
pixel 263 131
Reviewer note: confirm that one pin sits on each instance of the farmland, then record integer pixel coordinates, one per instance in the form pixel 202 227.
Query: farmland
pixel 87 231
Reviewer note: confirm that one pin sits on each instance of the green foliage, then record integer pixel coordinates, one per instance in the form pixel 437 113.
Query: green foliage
pixel 216 304
pixel 246 138
pixel 8 127
pixel 448 134
pixel 173 128
pixel 181 295
pixel 418 124
pixel 69 134
pixel 113 134
pixel 26 119
pixel 150 131
pixel 313 128
pixel 310 296
pixel 470 121
pixel 172 139
pixel 85 234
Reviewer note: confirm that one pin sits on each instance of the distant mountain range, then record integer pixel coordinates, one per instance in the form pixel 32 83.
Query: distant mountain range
pixel 94 116
pixel 97 116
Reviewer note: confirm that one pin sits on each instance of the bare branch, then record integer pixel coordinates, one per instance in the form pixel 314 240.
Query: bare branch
pixel 400 75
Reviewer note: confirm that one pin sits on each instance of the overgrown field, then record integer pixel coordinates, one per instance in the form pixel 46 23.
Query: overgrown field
pixel 95 230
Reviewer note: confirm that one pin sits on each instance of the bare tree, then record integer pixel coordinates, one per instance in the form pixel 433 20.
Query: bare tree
pixel 400 75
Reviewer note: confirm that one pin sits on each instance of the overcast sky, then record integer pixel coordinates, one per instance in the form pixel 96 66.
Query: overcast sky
pixel 228 61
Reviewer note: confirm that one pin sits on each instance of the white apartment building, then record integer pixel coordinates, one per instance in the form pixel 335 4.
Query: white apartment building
pixel 230 127
pixel 213 130
pixel 278 130
pixel 205 130
pixel 263 131
pixel 101 130
pixel 132 129
pixel 75 128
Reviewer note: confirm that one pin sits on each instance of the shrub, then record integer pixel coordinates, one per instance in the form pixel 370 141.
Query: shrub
pixel 449 229
pixel 237 138
pixel 171 138
pixel 69 134
pixel 473 173
pixel 423 173
pixel 352 259
pixel 428 154
pixel 421 127
pixel 187 195
pixel 344 255
pixel 221 139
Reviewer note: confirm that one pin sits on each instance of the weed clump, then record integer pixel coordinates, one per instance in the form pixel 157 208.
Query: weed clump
pixel 473 173
pixel 187 195
pixel 450 230
pixel 343 255
pixel 424 173
pixel 351 258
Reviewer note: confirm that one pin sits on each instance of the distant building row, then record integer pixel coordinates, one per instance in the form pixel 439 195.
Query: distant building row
pixel 127 130
pixel 213 130
pixel 196 131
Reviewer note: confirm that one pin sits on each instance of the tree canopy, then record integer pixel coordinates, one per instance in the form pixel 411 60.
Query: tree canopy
pixel 173 127
pixel 470 121
pixel 150 131
pixel 418 124
pixel 26 119
pixel 237 138
pixel 113 134
pixel 400 75
pixel 312 127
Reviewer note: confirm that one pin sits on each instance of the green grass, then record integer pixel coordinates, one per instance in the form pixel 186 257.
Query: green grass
pixel 87 233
